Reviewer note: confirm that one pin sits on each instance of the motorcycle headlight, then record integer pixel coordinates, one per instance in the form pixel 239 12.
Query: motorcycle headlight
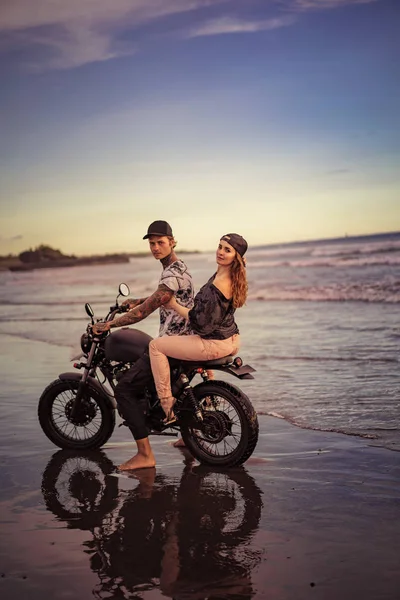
pixel 85 343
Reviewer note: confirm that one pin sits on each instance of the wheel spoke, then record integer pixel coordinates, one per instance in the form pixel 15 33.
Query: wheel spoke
pixel 71 468
pixel 222 431
pixel 74 431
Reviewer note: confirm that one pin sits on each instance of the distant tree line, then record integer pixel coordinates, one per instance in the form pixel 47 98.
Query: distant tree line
pixel 42 253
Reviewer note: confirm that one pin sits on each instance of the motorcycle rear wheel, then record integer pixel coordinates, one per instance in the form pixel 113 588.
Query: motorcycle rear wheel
pixel 89 430
pixel 229 433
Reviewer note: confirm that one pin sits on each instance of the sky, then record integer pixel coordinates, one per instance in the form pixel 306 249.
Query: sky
pixel 276 119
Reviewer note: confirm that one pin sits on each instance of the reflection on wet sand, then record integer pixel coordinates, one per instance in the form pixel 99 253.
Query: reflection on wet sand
pixel 190 538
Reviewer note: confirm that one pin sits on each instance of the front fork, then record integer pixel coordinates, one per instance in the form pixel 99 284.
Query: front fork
pixel 82 384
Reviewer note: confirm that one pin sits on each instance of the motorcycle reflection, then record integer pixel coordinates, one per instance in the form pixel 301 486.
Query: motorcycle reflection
pixel 189 538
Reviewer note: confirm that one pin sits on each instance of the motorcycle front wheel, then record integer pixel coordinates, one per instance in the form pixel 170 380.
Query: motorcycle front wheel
pixel 228 434
pixel 89 429
pixel 77 488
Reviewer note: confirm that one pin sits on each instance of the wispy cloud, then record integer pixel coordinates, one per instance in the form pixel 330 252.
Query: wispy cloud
pixel 74 45
pixel 22 14
pixel 339 171
pixel 237 25
pixel 78 32
pixel 13 238
pixel 304 5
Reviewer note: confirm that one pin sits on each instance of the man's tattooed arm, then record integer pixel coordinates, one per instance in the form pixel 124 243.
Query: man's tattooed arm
pixel 133 302
pixel 161 296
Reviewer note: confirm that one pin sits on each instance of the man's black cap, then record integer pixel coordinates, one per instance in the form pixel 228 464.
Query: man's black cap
pixel 159 228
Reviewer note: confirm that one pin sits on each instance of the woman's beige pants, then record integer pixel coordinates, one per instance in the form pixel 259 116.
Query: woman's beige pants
pixel 185 347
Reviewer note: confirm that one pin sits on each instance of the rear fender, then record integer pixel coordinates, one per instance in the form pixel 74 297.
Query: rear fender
pixel 93 383
pixel 243 372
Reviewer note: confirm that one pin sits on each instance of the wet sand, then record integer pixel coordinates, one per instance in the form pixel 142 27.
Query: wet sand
pixel 310 515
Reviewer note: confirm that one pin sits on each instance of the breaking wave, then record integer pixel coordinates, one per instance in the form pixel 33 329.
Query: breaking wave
pixel 377 292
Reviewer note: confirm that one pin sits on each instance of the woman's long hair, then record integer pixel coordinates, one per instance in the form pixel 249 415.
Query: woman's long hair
pixel 239 281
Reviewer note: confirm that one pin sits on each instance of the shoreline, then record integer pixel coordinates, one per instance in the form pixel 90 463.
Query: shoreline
pixel 310 513
pixel 294 519
pixel 65 364
pixel 370 438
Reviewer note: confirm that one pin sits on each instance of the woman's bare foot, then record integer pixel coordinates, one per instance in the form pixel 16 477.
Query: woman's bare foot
pixel 179 443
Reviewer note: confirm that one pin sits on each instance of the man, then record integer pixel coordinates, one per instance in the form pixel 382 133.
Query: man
pixel 175 281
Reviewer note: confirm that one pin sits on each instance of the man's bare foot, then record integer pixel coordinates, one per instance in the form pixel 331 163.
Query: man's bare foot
pixel 138 462
pixel 146 478
pixel 179 443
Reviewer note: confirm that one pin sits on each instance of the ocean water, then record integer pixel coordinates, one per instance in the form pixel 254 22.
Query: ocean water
pixel 321 326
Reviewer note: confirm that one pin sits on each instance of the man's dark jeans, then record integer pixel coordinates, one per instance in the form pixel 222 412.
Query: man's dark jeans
pixel 129 392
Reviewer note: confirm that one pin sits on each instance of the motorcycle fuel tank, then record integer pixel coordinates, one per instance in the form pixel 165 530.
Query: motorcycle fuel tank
pixel 126 345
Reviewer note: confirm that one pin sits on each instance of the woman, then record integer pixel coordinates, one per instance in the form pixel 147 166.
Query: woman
pixel 215 333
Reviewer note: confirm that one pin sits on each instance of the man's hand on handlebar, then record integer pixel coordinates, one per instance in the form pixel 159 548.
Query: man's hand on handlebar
pixel 130 303
pixel 99 328
pixel 104 326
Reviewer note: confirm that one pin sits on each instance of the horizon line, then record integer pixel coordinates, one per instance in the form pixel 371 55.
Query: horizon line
pixel 270 245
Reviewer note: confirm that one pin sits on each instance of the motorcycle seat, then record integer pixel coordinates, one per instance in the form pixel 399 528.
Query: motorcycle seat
pixel 208 364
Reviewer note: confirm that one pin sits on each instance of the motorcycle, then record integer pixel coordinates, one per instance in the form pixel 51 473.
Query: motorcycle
pixel 217 421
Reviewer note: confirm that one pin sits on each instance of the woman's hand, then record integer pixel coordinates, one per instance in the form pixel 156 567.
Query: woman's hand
pixel 171 303
pixel 174 305
pixel 99 328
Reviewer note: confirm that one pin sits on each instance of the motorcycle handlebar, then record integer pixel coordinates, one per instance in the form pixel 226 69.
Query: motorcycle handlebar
pixel 118 309
pixel 112 313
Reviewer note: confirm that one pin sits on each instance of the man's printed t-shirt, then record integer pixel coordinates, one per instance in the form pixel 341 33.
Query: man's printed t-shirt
pixel 178 279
